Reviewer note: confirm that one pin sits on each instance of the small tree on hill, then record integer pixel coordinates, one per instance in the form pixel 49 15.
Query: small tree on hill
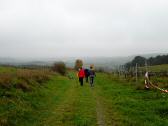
pixel 140 60
pixel 78 64
pixel 59 67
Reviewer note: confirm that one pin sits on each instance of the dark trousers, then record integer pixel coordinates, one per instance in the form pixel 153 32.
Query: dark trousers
pixel 81 81
pixel 91 81
pixel 87 79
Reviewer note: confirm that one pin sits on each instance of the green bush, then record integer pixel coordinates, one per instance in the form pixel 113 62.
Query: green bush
pixel 59 67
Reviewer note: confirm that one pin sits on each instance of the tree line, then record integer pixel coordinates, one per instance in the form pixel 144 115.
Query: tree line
pixel 141 61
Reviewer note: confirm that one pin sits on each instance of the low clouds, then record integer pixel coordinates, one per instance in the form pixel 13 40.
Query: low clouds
pixel 48 28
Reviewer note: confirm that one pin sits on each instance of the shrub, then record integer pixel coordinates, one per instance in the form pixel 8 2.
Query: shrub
pixel 23 85
pixel 78 64
pixel 60 67
pixel 6 80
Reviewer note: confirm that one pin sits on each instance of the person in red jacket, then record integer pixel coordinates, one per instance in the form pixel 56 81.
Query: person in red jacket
pixel 81 75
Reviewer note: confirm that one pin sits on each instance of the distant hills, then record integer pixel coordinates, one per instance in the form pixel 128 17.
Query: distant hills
pixel 110 62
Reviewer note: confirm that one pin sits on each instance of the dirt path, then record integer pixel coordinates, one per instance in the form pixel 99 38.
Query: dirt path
pixel 100 114
pixel 99 110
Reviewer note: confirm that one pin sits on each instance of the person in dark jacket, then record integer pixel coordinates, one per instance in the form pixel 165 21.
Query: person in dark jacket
pixel 92 76
pixel 81 75
pixel 87 73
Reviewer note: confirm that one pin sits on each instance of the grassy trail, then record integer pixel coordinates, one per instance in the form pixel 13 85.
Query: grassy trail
pixel 76 105
pixel 63 102
pixel 80 106
pixel 109 103
pixel 99 110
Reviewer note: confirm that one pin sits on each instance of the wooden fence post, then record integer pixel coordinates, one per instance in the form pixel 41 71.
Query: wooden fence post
pixel 136 73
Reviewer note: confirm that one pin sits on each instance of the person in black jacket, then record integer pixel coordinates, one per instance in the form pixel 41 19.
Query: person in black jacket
pixel 87 73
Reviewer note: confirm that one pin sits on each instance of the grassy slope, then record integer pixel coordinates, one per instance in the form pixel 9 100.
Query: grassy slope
pixel 59 102
pixel 126 106
pixel 62 103
pixel 30 108
pixel 156 68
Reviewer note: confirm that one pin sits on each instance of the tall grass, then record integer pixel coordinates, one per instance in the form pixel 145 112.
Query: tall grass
pixel 20 93
pixel 23 79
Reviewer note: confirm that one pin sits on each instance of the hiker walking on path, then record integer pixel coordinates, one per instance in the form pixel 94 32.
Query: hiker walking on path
pixel 81 75
pixel 87 73
pixel 92 75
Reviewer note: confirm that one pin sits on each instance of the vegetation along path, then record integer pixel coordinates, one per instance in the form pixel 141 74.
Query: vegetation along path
pixel 63 102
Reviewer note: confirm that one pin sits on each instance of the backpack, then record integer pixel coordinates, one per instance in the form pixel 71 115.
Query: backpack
pixel 87 72
pixel 92 73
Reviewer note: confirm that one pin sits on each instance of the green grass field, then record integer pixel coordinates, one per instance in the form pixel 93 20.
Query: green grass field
pixel 159 76
pixel 156 68
pixel 62 102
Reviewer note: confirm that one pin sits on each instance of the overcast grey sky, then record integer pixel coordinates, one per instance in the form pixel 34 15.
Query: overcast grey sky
pixel 56 28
